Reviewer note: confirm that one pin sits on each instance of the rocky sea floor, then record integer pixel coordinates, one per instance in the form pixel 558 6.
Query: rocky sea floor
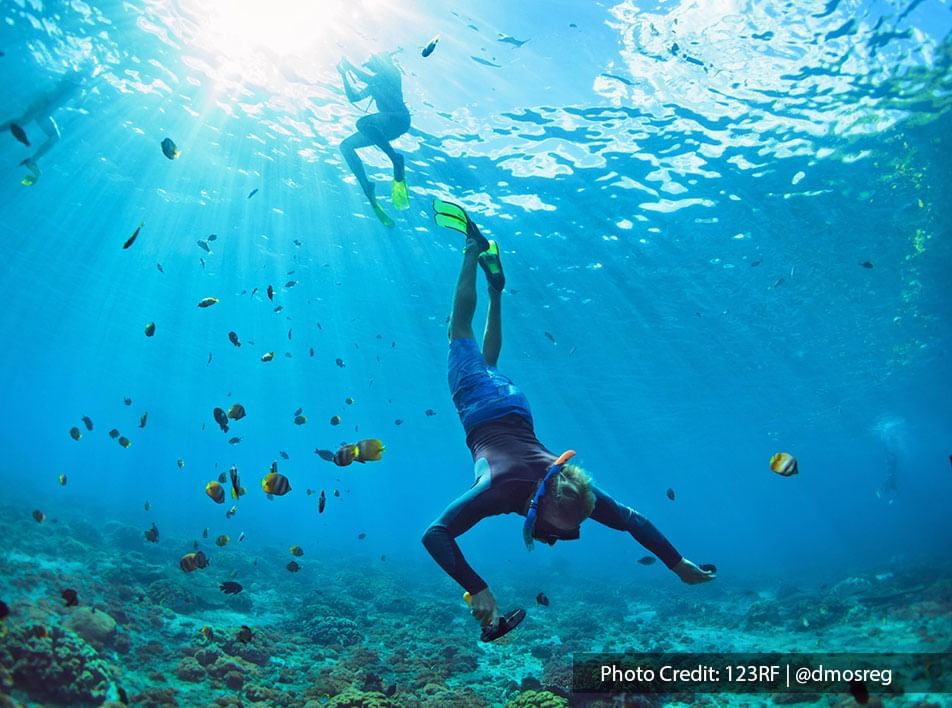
pixel 364 633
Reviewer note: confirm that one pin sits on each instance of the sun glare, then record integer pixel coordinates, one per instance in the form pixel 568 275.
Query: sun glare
pixel 271 43
pixel 281 26
pixel 239 29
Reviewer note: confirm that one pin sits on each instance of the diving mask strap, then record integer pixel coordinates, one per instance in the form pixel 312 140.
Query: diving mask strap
pixel 533 511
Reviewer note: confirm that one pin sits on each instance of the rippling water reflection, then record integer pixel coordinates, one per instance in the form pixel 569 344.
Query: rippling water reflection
pixel 687 142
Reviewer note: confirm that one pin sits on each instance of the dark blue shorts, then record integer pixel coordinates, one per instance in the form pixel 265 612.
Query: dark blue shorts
pixel 479 391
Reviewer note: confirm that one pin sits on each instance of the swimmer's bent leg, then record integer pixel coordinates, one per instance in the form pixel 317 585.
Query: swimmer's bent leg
pixel 348 149
pixel 52 136
pixel 380 129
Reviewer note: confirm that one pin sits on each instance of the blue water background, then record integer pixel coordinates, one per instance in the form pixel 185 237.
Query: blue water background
pixel 681 360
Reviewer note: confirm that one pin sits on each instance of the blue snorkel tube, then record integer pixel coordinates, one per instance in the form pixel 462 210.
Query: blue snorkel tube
pixel 533 511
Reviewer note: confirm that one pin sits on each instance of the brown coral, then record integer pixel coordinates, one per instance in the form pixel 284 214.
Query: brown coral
pixel 222 666
pixel 234 680
pixel 93 625
pixel 189 669
pixel 207 655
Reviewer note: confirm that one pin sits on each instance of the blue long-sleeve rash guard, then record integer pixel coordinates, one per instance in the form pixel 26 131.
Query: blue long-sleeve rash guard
pixel 517 461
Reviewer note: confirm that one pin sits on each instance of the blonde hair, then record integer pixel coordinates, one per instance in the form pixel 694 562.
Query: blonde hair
pixel 570 492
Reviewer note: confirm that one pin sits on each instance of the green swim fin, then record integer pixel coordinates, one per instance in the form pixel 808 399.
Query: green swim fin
pixel 492 266
pixel 450 215
pixel 30 179
pixel 399 195
pixel 382 215
pixel 453 216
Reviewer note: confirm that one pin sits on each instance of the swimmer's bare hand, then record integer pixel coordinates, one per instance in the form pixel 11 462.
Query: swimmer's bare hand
pixel 691 574
pixel 483 607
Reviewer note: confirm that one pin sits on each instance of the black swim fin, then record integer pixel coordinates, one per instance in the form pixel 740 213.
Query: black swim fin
pixel 492 266
pixel 503 626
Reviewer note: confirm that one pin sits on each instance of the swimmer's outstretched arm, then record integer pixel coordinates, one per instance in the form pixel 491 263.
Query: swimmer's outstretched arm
pixel 623 518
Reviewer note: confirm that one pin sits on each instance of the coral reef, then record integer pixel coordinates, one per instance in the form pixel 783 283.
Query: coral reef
pixel 58 666
pixel 224 666
pixel 557 676
pixel 190 670
pixel 331 630
pixel 234 680
pixel 353 698
pixel 256 651
pixel 537 699
pixel 95 626
pixel 166 697
pixel 175 596
pixel 269 696
pixel 396 642
pixel 207 655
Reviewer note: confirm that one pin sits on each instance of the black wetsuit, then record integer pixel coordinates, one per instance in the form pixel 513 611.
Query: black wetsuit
pixel 510 463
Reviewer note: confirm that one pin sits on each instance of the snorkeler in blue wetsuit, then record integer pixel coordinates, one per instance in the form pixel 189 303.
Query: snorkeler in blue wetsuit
pixel 515 473
pixel 383 85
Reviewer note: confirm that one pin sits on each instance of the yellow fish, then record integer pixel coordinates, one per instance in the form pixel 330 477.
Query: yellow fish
pixel 784 464
pixel 369 450
pixel 215 492
pixel 191 561
pixel 274 483
pixel 346 454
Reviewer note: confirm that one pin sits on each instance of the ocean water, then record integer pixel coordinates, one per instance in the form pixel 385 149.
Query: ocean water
pixel 725 235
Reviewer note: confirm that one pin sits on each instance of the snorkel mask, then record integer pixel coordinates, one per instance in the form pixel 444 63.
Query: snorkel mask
pixel 528 528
